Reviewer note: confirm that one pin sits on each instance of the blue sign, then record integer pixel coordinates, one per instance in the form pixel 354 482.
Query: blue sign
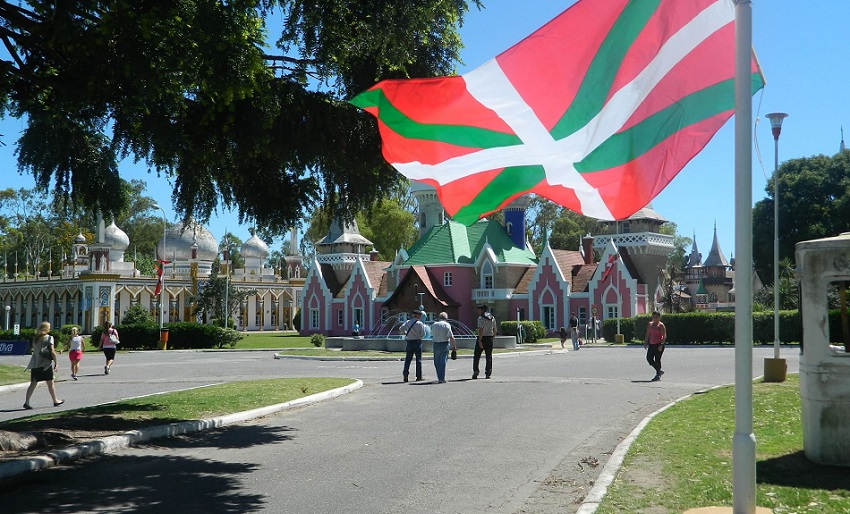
pixel 18 347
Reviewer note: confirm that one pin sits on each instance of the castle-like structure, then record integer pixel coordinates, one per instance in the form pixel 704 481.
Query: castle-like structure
pixel 98 283
pixel 454 268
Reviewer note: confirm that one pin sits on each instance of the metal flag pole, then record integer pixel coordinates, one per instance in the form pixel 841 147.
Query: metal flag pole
pixel 743 441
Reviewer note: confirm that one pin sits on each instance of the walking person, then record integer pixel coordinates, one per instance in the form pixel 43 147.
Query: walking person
pixel 108 343
pixel 574 330
pixel 42 364
pixel 653 343
pixel 414 332
pixel 486 334
pixel 441 331
pixel 594 321
pixel 75 353
pixel 563 335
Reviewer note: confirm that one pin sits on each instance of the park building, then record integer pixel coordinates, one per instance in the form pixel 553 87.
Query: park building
pixel 99 282
pixel 453 268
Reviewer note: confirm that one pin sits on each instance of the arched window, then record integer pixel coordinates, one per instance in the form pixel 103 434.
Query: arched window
pixel 487 276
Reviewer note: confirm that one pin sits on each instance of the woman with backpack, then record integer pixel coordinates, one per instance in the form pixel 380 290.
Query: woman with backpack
pixel 42 364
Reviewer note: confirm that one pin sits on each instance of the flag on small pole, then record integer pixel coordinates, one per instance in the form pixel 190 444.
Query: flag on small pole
pixel 160 268
pixel 597 110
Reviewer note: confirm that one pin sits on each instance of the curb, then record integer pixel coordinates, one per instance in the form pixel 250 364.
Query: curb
pixel 16 468
pixel 612 467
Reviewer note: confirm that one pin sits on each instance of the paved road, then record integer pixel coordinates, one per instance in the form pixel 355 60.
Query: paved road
pixel 512 444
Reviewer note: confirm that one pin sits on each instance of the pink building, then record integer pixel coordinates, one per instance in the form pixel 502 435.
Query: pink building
pixel 454 268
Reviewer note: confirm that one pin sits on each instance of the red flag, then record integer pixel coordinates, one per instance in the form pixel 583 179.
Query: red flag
pixel 597 110
pixel 160 266
pixel 609 266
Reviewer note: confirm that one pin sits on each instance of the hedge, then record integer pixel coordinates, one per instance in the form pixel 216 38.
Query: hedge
pixel 181 336
pixel 532 330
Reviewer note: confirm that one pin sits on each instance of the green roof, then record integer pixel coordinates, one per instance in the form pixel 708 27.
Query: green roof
pixel 456 243
pixel 701 289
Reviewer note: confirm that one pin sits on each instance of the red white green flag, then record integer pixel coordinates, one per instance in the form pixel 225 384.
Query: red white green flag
pixel 597 110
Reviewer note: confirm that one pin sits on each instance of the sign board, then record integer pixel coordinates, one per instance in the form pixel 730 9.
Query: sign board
pixel 17 329
pixel 18 347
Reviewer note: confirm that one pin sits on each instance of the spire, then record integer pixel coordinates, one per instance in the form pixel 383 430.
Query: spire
pixel 841 146
pixel 695 258
pixel 715 255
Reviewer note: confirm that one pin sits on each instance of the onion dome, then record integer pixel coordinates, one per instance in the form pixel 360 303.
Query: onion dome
pixel 80 238
pixel 254 248
pixel 178 240
pixel 116 238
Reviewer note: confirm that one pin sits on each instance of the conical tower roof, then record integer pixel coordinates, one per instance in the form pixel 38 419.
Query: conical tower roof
pixel 715 255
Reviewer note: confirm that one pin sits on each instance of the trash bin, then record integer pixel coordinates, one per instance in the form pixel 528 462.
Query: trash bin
pixel 824 367
pixel 163 339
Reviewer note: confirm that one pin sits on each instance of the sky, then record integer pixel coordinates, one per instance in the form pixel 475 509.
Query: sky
pixel 802 48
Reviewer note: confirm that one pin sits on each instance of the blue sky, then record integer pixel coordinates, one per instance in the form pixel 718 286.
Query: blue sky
pixel 802 47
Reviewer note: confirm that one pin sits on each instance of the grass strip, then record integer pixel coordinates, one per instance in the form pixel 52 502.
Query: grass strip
pixel 683 458
pixel 192 404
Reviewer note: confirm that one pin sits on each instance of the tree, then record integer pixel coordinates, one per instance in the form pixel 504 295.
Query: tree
pixel 138 315
pixel 193 91
pixel 814 202
pixel 563 227
pixel 388 224
pixel 670 282
pixel 211 298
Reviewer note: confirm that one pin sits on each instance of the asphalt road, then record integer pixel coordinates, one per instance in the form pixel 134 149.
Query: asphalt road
pixel 512 444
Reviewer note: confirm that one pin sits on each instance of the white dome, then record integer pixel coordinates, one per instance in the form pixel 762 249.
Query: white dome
pixel 254 248
pixel 80 238
pixel 179 240
pixel 116 238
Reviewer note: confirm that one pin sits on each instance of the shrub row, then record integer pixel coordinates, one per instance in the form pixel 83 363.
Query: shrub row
pixel 532 330
pixel 718 327
pixel 181 336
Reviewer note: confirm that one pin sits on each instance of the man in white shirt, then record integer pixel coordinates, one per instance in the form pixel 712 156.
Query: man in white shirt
pixel 442 334
pixel 414 331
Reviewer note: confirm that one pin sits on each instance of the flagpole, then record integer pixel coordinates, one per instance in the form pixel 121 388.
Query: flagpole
pixel 743 441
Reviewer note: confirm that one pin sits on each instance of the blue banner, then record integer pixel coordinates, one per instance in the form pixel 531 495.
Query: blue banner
pixel 18 347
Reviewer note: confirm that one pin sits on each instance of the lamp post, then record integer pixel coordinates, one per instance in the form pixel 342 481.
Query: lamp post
pixel 775 369
pixel 227 250
pixel 8 308
pixel 162 271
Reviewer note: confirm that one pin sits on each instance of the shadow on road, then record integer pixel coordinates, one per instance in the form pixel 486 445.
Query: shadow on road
pixel 150 483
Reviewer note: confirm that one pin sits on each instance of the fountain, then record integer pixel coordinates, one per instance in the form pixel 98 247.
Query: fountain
pixel 388 337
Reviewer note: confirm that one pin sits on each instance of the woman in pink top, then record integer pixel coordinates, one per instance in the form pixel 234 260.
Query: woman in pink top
pixel 107 345
pixel 653 343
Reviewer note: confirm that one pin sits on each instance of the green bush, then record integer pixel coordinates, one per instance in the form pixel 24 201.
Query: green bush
pixel 532 330
pixel 138 315
pixel 317 340
pixel 181 336
pixel 627 328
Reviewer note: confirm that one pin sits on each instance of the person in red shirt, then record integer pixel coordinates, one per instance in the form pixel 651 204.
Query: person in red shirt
pixel 653 343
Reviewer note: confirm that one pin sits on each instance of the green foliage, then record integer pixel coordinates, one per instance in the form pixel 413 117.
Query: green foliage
pixel 609 329
pixel 192 90
pixel 317 340
pixel 532 330
pixel 138 315
pixel 181 336
pixel 562 227
pixel 814 202
pixel 296 320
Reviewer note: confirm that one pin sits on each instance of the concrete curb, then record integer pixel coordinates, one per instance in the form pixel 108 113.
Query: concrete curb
pixel 612 467
pixel 12 469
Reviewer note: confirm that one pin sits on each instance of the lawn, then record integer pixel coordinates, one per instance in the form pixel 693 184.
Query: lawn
pixel 683 458
pixel 13 374
pixel 192 404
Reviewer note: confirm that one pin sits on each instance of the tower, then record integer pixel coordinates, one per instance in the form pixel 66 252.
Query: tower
pixel 515 220
pixel 430 208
